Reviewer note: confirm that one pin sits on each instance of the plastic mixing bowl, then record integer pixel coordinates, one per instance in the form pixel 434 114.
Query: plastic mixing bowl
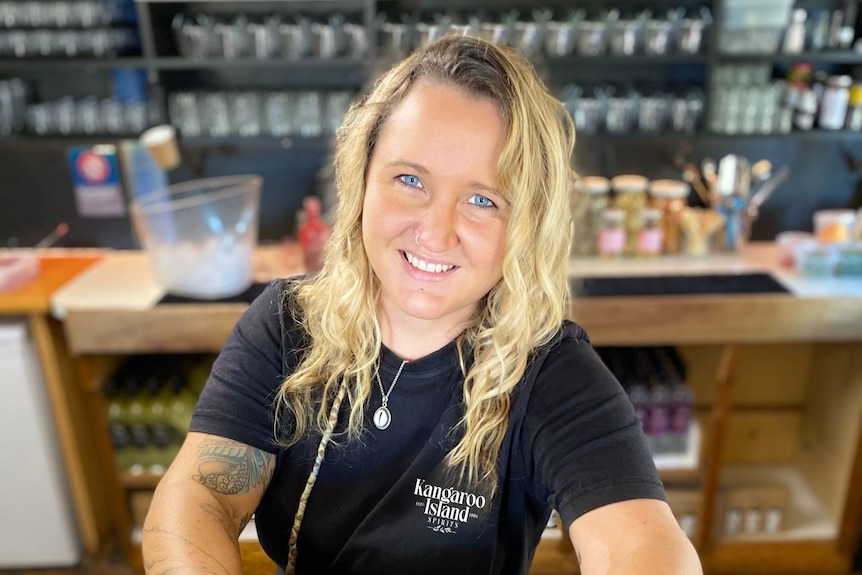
pixel 201 235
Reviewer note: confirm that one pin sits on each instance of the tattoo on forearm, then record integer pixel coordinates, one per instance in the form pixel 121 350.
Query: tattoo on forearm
pixel 578 554
pixel 229 467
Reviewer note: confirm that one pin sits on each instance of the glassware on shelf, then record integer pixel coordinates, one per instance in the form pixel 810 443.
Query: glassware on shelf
pixel 651 234
pixel 653 113
pixel 620 113
pixel 671 198
pixel 625 36
pixel 658 37
pixel 612 233
pixel 592 38
pixel 246 114
pixel 590 200
pixel 278 114
pixel 630 195
pixel 691 34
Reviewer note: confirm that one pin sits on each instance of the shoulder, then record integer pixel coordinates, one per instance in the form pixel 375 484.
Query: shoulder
pixel 570 345
pixel 568 367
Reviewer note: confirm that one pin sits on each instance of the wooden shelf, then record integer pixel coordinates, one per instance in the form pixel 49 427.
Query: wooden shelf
pixel 139 481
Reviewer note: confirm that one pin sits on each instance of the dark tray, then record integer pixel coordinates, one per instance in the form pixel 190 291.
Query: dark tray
pixel 675 285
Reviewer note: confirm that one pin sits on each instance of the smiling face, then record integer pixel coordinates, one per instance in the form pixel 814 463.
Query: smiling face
pixel 433 223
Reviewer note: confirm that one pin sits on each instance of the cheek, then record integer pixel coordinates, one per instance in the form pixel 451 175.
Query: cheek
pixel 488 242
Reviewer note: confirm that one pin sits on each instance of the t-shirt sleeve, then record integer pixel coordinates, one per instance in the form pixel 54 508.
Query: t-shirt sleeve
pixel 237 400
pixel 584 442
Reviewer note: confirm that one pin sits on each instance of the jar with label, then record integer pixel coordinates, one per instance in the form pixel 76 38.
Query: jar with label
pixel 630 196
pixel 612 233
pixel 836 99
pixel 651 235
pixel 589 201
pixel 671 197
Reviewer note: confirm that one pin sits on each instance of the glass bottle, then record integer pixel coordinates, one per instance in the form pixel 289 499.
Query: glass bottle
pixel 313 234
pixel 612 233
pixel 794 36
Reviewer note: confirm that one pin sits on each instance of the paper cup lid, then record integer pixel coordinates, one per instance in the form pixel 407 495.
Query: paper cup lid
pixel 158 135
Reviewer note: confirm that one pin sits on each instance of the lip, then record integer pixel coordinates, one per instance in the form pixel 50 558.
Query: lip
pixel 423 275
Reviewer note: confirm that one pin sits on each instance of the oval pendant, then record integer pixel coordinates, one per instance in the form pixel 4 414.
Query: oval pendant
pixel 382 418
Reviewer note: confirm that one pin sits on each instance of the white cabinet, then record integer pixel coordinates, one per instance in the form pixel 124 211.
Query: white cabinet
pixel 37 525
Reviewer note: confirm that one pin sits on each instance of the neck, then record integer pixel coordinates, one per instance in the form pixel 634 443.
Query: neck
pixel 412 338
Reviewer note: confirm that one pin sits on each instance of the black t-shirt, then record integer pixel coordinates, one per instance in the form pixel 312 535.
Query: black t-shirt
pixel 385 504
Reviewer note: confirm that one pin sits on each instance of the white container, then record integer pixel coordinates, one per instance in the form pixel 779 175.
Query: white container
pixel 835 102
pixel 201 235
pixel 37 526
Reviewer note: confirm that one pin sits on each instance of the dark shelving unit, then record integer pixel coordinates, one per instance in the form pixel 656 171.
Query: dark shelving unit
pixel 333 66
pixel 39 64
pixel 829 57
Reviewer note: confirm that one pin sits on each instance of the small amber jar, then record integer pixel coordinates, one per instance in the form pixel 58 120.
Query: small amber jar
pixel 671 197
pixel 630 195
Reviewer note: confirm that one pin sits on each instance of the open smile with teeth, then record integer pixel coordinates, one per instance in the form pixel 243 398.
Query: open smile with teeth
pixel 421 264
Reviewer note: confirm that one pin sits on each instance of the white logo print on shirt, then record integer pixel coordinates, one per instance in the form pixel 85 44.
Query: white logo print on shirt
pixel 446 508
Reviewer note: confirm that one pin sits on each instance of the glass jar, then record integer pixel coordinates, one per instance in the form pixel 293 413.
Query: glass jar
pixel 651 235
pixel 630 196
pixel 671 197
pixel 591 198
pixel 612 233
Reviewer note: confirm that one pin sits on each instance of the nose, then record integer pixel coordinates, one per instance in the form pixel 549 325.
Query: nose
pixel 438 228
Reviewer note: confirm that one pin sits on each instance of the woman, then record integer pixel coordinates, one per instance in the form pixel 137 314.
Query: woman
pixel 420 405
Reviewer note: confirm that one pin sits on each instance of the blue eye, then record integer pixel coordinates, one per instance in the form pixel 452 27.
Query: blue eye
pixel 411 181
pixel 481 201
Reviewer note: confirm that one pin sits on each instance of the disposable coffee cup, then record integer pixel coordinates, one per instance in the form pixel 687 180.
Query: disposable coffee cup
pixel 161 141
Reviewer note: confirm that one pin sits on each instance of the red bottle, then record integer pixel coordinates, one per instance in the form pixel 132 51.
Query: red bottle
pixel 313 234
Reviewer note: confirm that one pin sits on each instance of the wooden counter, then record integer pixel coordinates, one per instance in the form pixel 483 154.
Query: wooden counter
pixel 778 381
pixel 112 309
pixel 609 321
pixel 32 301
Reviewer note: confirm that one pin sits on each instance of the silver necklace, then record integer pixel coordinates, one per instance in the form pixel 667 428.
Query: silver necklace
pixel 382 416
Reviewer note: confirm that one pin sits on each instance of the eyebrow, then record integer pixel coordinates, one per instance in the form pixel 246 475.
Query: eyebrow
pixel 423 170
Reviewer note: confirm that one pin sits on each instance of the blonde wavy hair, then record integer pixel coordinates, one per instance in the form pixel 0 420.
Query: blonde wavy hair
pixel 523 311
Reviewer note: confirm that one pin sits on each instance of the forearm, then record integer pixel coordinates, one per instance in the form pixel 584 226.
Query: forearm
pixel 658 557
pixel 188 531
